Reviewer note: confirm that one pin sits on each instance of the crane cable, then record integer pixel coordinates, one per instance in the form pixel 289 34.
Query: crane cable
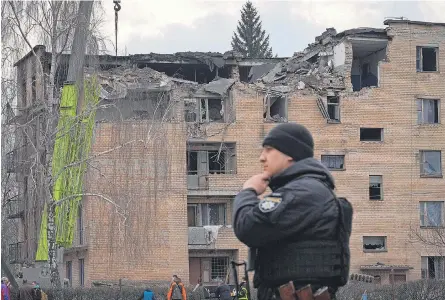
pixel 117 8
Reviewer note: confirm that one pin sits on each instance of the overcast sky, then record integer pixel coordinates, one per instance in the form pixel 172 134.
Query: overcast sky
pixel 168 26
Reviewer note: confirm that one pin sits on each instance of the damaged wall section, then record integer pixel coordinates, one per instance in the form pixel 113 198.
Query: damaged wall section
pixel 367 55
pixel 212 102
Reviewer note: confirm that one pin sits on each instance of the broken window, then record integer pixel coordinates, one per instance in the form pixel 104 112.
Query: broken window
pixel 375 187
pixel 430 163
pixel 426 59
pixel 371 134
pixel 244 73
pixel 207 110
pixel 209 158
pixel 374 243
pixel 427 111
pixel 206 214
pixel 275 108
pixel 329 107
pixel 433 267
pixel 431 214
pixel 334 108
pixel 334 162
pixel 367 54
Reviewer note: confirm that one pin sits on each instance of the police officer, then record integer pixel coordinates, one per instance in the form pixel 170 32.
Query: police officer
pixel 300 232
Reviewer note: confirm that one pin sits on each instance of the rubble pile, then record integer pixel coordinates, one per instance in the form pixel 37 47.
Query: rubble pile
pixel 117 82
pixel 312 67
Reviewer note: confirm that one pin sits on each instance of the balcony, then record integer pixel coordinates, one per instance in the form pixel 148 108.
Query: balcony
pixel 198 236
pixel 15 207
pixel 206 237
pixel 16 253
pixel 197 182
pixel 80 240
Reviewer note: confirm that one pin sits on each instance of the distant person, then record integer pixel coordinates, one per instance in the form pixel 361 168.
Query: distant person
pixel 147 295
pixel 37 292
pixel 223 291
pixel 26 291
pixel 177 290
pixel 200 292
pixel 5 289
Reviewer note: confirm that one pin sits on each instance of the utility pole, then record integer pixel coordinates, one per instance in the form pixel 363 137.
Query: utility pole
pixel 78 48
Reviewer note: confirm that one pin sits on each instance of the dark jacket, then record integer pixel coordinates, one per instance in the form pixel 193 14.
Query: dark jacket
pixel 223 292
pixel 307 211
pixel 26 292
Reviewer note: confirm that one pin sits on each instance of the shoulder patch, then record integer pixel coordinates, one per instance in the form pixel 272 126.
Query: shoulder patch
pixel 270 202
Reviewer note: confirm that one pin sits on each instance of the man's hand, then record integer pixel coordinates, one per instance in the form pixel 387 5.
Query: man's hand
pixel 258 182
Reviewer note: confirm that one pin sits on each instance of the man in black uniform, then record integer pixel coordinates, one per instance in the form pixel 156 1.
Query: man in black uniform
pixel 299 233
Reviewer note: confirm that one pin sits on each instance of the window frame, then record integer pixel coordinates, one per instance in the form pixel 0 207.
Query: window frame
pixel 225 268
pixel 228 155
pixel 200 218
pixel 81 272
pixel 69 272
pixel 425 272
pixel 420 112
pixel 336 108
pixel 423 208
pixel 381 140
pixel 381 187
pixel 422 162
pixel 330 156
pixel 385 243
pixel 419 58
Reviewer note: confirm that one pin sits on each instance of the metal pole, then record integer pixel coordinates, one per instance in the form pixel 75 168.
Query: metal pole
pixel 78 48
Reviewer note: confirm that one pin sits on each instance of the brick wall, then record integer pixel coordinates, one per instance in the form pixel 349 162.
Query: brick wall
pixel 145 237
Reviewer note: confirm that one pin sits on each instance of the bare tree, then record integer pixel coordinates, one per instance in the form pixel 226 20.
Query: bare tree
pixel 52 24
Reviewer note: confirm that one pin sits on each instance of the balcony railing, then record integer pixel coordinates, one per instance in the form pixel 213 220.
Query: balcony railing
pixel 197 182
pixel 198 236
pixel 15 207
pixel 16 252
pixel 80 238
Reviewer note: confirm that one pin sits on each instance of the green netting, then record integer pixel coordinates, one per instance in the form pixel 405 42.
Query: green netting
pixel 71 149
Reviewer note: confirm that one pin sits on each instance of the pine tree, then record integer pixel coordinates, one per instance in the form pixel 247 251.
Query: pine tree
pixel 250 39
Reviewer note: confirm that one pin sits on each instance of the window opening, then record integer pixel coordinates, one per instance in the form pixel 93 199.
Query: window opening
pixel 375 187
pixel 275 109
pixel 220 265
pixel 81 272
pixel 69 272
pixel 334 162
pixel 371 134
pixel 431 213
pixel 431 164
pixel 427 111
pixel 374 243
pixel 206 214
pixel 334 107
pixel 426 60
pixel 433 267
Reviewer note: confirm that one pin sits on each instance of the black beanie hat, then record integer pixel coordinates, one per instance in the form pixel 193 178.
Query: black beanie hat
pixel 291 139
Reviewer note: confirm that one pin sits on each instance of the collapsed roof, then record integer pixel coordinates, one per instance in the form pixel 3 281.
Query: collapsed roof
pixel 315 65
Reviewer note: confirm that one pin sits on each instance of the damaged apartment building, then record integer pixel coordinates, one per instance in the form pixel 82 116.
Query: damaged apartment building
pixel 176 136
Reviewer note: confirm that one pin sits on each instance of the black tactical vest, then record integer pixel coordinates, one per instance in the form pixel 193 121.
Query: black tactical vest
pixel 316 262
